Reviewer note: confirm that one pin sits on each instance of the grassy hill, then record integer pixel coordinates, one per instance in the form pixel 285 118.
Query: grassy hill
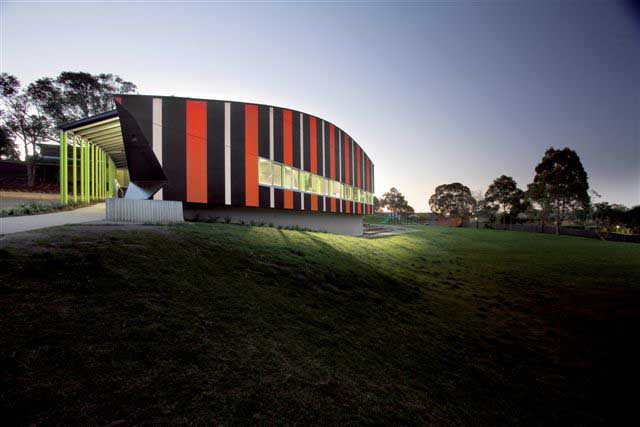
pixel 229 324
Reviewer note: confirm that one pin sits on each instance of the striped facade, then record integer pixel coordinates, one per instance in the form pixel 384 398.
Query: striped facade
pixel 208 152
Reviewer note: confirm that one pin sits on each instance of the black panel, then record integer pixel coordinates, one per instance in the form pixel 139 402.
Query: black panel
pixel 278 142
pixel 135 122
pixel 264 194
pixel 215 152
pixel 174 148
pixel 263 131
pixel 297 201
pixel 295 130
pixel 307 202
pixel 306 144
pixel 278 198
pixel 237 154
pixel 319 145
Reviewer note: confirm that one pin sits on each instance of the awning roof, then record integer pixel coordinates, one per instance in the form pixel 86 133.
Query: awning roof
pixel 104 131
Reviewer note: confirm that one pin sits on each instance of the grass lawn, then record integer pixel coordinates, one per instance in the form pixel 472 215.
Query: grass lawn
pixel 213 323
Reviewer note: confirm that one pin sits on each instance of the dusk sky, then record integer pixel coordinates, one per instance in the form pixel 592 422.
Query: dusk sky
pixel 435 92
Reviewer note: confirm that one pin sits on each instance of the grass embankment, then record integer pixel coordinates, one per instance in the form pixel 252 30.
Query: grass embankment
pixel 218 323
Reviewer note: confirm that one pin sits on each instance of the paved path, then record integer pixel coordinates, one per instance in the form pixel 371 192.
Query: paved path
pixel 10 225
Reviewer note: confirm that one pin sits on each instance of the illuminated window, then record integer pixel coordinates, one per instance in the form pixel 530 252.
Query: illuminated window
pixel 295 179
pixel 266 174
pixel 342 193
pixel 277 175
pixel 317 186
pixel 325 187
pixel 287 177
pixel 349 194
pixel 335 189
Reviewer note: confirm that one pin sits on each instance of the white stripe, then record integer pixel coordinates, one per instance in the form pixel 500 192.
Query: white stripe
pixel 157 136
pixel 301 157
pixel 271 136
pixel 271 197
pixel 353 168
pixel 227 153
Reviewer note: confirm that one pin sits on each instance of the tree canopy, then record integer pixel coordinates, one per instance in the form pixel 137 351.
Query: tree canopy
pixel 393 200
pixel 452 200
pixel 504 195
pixel 560 184
pixel 32 114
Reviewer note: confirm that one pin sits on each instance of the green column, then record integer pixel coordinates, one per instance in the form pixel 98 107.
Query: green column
pixel 87 171
pixel 64 184
pixel 101 174
pixel 60 171
pixel 81 170
pixel 74 173
pixel 92 171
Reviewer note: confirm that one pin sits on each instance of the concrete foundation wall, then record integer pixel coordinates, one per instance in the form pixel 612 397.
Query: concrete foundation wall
pixel 144 211
pixel 350 225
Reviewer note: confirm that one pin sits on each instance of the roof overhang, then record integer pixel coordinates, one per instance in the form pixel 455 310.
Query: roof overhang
pixel 102 130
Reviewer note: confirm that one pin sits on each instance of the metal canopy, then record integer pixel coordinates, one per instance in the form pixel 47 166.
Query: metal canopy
pixel 102 130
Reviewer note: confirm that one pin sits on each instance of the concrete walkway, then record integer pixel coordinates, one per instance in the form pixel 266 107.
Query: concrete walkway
pixel 10 225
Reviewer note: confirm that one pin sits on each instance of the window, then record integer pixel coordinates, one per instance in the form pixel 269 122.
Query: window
pixel 317 187
pixel 295 179
pixel 287 177
pixel 325 187
pixel 266 174
pixel 277 175
pixel 342 192
pixel 357 195
pixel 335 189
pixel 305 181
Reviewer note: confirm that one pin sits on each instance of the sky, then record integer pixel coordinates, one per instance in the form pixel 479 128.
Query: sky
pixel 435 92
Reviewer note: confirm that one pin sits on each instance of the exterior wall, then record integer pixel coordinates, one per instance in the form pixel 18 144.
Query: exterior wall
pixel 207 152
pixel 144 211
pixel 350 225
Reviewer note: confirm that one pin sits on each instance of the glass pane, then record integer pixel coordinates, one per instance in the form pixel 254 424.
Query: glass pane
pixel 325 185
pixel 308 185
pixel 277 175
pixel 295 179
pixel 287 177
pixel 317 187
pixel 265 176
pixel 335 189
pixel 342 191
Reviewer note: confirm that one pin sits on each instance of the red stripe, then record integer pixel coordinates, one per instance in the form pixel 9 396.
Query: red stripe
pixel 288 199
pixel 333 204
pixel 252 197
pixel 288 137
pixel 332 154
pixel 196 151
pixel 314 203
pixel 313 145
pixel 347 205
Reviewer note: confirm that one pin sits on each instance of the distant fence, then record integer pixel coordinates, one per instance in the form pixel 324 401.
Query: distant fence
pixel 551 229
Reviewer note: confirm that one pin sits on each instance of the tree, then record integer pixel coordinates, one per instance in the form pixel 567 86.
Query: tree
pixel 505 195
pixel 405 209
pixel 25 117
pixel 75 95
pixel 376 204
pixel 561 184
pixel 8 148
pixel 452 200
pixel 393 200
